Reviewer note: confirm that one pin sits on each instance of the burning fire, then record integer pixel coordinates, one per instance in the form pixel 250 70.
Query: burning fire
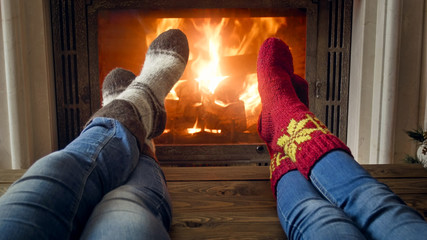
pixel 251 99
pixel 194 129
pixel 218 93
pixel 163 24
pixel 208 50
pixel 207 66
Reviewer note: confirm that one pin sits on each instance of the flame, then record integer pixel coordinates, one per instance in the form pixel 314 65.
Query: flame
pixel 172 95
pixel 207 68
pixel 250 40
pixel 251 99
pixel 251 96
pixel 194 129
pixel 221 103
pixel 209 49
pixel 162 25
pixel 216 131
pixel 220 76
pixel 211 46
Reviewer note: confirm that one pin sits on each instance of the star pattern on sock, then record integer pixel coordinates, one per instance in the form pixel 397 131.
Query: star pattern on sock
pixel 295 138
pixel 299 132
pixel 277 160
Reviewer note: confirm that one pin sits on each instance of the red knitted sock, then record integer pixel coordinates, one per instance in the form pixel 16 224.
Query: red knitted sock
pixel 292 129
pixel 301 88
pixel 280 162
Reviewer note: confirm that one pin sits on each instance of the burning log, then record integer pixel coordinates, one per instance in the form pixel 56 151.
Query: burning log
pixel 230 118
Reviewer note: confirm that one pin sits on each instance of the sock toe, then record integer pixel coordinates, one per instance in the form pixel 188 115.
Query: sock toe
pixel 116 81
pixel 275 72
pixel 174 41
pixel 276 53
pixel 164 64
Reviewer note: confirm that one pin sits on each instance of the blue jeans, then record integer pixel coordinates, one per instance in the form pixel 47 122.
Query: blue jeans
pixel 342 201
pixel 58 194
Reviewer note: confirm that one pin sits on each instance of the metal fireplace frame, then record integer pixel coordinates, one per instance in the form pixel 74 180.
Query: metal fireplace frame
pixel 74 36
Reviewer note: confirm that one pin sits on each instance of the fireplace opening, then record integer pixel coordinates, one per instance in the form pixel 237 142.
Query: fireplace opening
pixel 216 100
pixel 212 124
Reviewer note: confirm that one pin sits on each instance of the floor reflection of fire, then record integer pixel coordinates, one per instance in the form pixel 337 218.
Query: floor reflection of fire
pixel 216 100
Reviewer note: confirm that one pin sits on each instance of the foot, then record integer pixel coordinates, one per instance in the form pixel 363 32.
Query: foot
pixel 164 64
pixel 280 162
pixel 140 107
pixel 116 81
pixel 292 129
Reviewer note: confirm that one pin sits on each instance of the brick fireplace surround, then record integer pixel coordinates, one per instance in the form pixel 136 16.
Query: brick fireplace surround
pixel 389 42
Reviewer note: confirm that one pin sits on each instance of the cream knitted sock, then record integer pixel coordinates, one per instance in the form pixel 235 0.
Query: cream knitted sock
pixel 164 64
pixel 116 81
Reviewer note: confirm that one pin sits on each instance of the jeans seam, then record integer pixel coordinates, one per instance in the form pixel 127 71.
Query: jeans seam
pixel 164 202
pixel 95 155
pixel 89 171
pixel 289 223
pixel 322 190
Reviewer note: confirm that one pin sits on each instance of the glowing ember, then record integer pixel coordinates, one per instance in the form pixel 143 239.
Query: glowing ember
pixel 213 131
pixel 221 103
pixel 194 129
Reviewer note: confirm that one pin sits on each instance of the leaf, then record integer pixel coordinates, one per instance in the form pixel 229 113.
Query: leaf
pixel 418 134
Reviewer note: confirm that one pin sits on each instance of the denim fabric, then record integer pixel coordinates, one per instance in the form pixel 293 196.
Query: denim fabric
pixel 340 198
pixel 305 214
pixel 375 209
pixel 140 209
pixel 56 196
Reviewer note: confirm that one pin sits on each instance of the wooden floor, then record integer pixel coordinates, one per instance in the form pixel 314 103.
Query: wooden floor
pixel 236 202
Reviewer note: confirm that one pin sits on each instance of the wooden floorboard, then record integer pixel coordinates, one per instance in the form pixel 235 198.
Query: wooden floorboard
pixel 237 203
pixel 220 196
pixel 396 170
pixel 216 173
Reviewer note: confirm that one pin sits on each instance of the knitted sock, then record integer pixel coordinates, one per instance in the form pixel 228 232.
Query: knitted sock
pixel 280 162
pixel 140 107
pixel 116 81
pixel 293 129
pixel 164 64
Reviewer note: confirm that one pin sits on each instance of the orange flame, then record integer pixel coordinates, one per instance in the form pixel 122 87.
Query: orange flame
pixel 221 73
pixel 172 95
pixel 208 67
pixel 251 98
pixel 209 49
pixel 216 131
pixel 194 129
pixel 251 39
pixel 163 24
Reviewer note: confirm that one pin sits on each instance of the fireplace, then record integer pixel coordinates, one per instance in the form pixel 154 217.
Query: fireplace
pixel 213 109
